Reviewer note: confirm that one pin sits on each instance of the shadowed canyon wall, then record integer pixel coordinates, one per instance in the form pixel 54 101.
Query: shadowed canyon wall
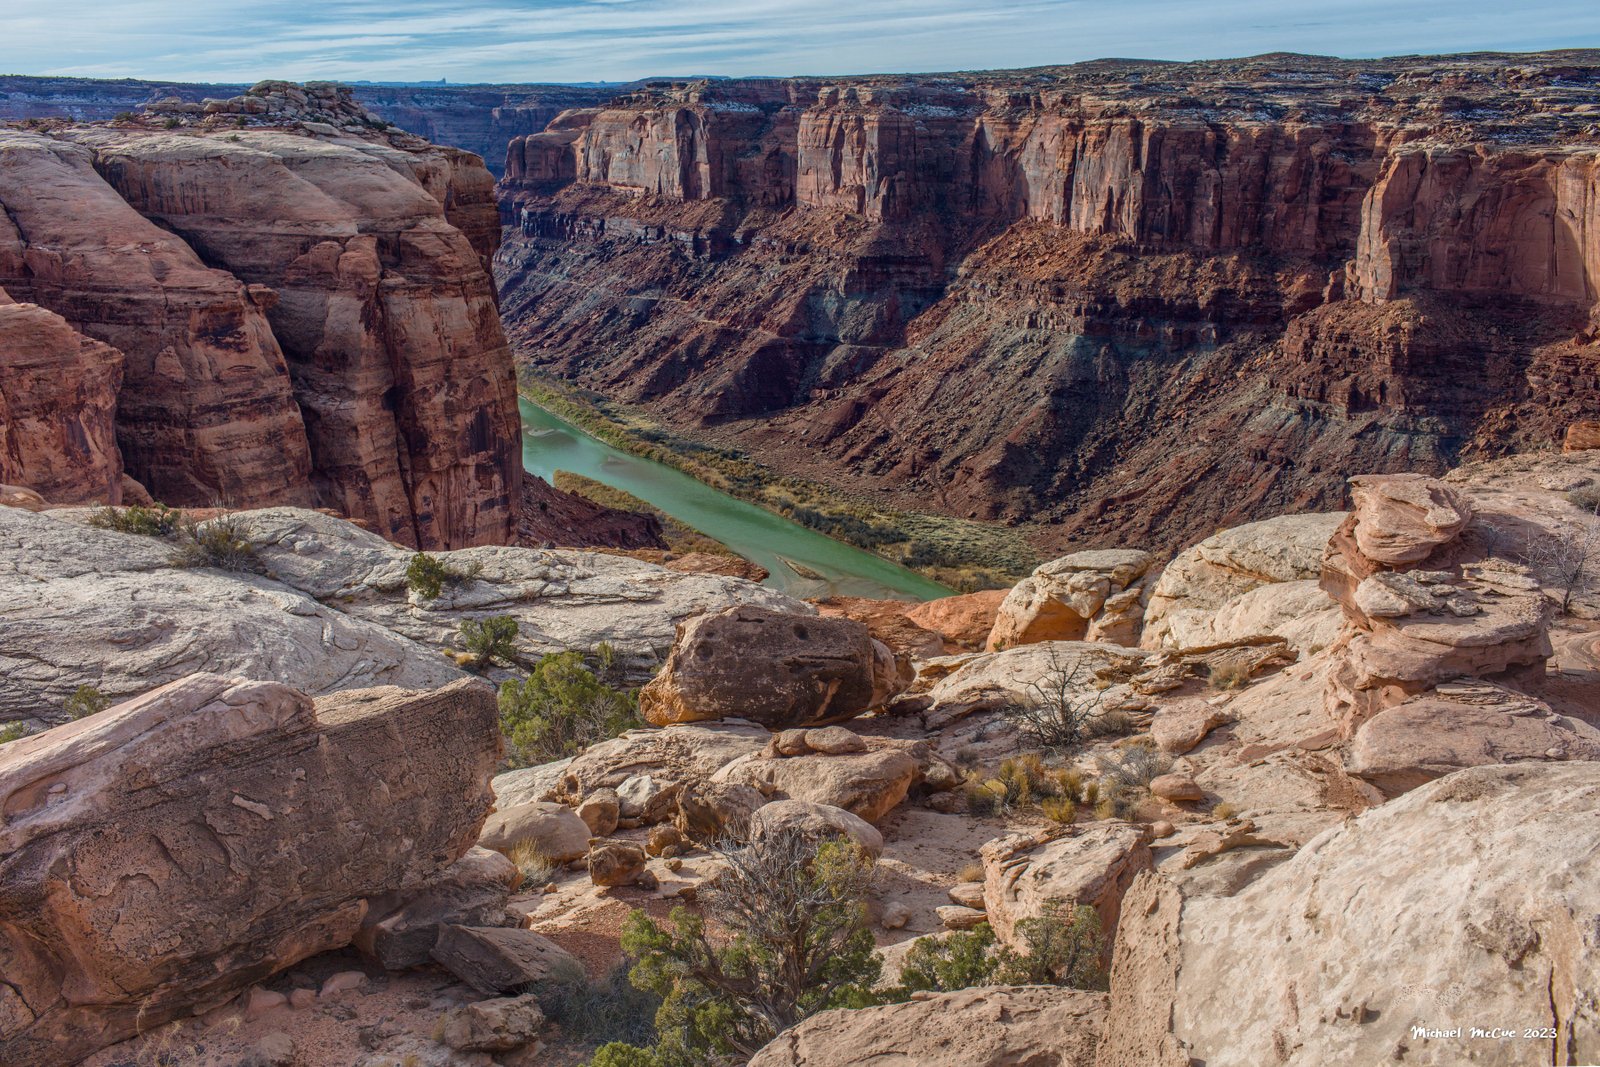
pixel 1073 296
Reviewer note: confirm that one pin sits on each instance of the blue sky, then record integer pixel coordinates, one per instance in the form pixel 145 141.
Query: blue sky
pixel 615 40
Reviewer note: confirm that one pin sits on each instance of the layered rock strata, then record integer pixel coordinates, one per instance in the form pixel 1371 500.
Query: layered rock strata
pixel 1253 275
pixel 302 300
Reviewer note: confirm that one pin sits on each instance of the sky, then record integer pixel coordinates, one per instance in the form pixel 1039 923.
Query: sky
pixel 620 40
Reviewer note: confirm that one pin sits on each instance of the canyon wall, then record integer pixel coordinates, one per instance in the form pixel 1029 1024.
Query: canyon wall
pixel 1068 297
pixel 301 305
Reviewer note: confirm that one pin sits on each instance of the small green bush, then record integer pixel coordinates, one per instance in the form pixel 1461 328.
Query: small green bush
pixel 157 521
pixel 428 575
pixel 85 700
pixel 225 543
pixel 793 941
pixel 560 709
pixel 13 732
pixel 607 1011
pixel 1064 946
pixel 490 641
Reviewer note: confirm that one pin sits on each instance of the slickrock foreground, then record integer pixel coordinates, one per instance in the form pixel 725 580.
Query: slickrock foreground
pixel 167 853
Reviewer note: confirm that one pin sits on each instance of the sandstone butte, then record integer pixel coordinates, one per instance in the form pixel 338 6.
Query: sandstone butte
pixel 1254 276
pixel 296 313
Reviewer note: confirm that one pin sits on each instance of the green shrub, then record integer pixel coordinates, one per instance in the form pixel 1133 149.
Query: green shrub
pixel 157 521
pixel 489 641
pixel 1064 946
pixel 560 709
pixel 428 575
pixel 793 940
pixel 13 732
pixel 85 700
pixel 225 543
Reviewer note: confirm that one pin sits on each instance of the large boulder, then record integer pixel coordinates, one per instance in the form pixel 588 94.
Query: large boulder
pixel 995 1026
pixel 1093 864
pixel 1206 580
pixel 1088 596
pixel 666 759
pixel 963 621
pixel 164 854
pixel 554 829
pixel 1469 900
pixel 773 667
pixel 867 784
pixel 817 823
pixel 501 959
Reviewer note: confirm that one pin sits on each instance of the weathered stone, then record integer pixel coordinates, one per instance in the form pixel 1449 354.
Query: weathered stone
pixel 1093 596
pixel 1470 890
pixel 497 1025
pixel 995 1026
pixel 818 822
pixel 956 917
pixel 323 808
pixel 1091 864
pixel 868 784
pixel 714 811
pixel 495 960
pixel 776 668
pixel 834 741
pixel 1402 518
pixel 613 862
pixel 1180 726
pixel 1176 787
pixel 600 811
pixel 554 829
pixel 399 932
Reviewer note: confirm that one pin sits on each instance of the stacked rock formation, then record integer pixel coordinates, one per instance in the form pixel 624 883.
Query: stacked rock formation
pixel 1087 596
pixel 302 302
pixel 1419 614
pixel 1188 294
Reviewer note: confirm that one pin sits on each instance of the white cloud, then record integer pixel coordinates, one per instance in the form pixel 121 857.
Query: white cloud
pixel 592 40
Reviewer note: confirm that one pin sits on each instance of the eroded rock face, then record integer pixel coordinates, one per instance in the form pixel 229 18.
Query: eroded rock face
pixel 1211 592
pixel 1410 927
pixel 1340 266
pixel 206 411
pixel 1042 1026
pixel 305 309
pixel 1092 864
pixel 58 393
pixel 170 851
pixel 1087 596
pixel 775 668
pixel 384 312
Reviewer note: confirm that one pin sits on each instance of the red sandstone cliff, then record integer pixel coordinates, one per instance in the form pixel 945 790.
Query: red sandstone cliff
pixel 1073 296
pixel 304 309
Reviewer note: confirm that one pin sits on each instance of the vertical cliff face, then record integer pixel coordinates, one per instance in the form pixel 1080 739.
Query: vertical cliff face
pixel 304 308
pixel 206 412
pixel 1256 275
pixel 57 407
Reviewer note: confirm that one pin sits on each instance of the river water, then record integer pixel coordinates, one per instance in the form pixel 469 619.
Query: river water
pixel 825 566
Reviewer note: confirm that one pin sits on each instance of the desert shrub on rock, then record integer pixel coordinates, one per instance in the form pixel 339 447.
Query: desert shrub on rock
pixel 489 641
pixel 561 708
pixel 15 731
pixel 605 1011
pixel 793 939
pixel 225 543
pixel 156 521
pixel 428 575
pixel 1064 707
pixel 1064 946
pixel 1125 778
pixel 85 700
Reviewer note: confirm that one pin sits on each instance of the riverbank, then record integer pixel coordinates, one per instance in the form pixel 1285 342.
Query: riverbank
pixel 799 561
pixel 958 553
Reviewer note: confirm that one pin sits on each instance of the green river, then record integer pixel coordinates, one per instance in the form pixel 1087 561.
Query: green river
pixel 824 566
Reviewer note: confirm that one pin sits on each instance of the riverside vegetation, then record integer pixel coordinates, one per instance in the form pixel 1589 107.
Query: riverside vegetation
pixel 961 554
